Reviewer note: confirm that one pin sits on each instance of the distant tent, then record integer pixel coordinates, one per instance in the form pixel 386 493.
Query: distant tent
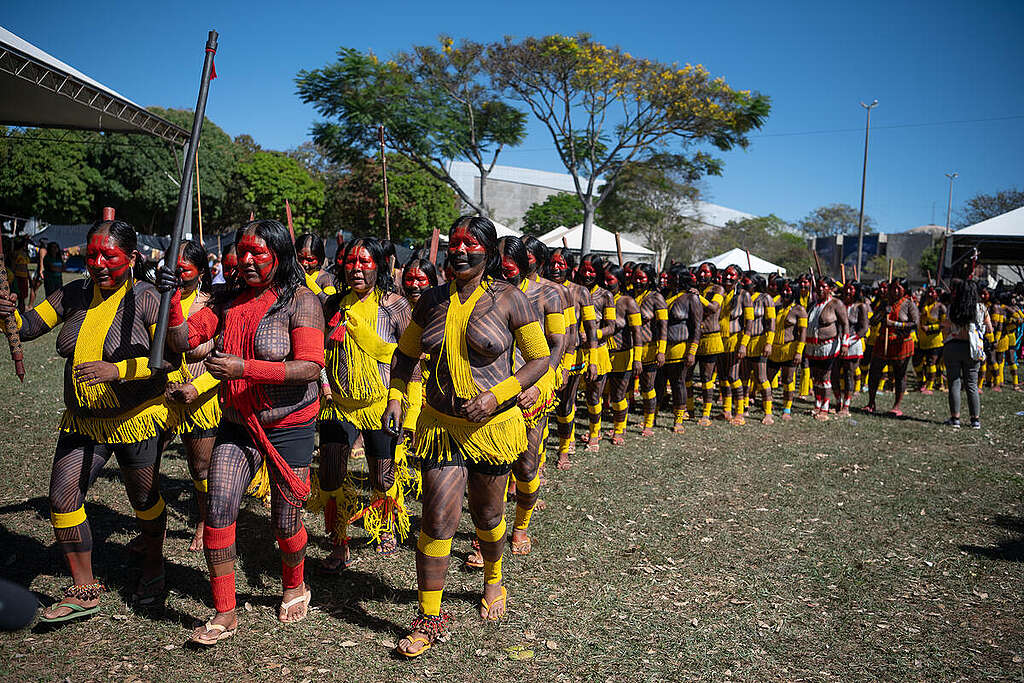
pixel 602 243
pixel 999 240
pixel 738 257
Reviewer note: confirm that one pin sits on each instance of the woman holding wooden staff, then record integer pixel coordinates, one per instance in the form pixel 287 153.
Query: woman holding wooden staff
pixel 269 331
pixel 114 407
pixel 895 344
pixel 471 429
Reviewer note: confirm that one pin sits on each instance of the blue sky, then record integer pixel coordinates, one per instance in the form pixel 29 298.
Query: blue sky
pixel 926 62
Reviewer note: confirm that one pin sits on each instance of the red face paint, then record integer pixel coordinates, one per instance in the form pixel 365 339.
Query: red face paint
pixel 531 259
pixel 729 277
pixel 189 272
pixel 107 262
pixel 663 279
pixel 360 269
pixel 559 268
pixel 257 262
pixel 230 265
pixel 639 277
pixel 465 253
pixel 308 261
pixel 415 282
pixel 588 272
pixel 509 268
pixel 611 282
pixel 704 274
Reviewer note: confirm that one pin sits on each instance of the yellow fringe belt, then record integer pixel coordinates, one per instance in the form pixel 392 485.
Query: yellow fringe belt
pixel 498 441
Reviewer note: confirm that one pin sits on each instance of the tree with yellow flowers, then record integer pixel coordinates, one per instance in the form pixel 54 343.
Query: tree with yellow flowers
pixel 605 108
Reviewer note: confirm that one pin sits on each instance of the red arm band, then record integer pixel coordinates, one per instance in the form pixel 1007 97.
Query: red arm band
pixel 264 371
pixel 201 326
pixel 175 317
pixel 308 344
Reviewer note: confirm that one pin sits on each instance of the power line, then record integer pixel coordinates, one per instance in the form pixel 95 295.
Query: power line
pixel 897 125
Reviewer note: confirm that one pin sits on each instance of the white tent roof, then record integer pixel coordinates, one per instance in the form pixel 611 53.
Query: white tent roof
pixel 40 90
pixel 1009 224
pixel 500 228
pixel 738 257
pixel 601 242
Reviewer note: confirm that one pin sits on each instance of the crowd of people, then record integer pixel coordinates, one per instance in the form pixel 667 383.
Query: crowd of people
pixel 277 377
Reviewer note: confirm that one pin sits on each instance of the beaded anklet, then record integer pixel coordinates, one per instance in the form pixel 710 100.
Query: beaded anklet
pixel 88 591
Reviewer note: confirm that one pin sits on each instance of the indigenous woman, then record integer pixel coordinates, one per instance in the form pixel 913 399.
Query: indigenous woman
pixel 418 276
pixel 363 328
pixel 471 429
pixel 192 392
pixel 589 276
pixel 846 370
pixel 114 406
pixel 652 339
pixel 827 331
pixel 711 348
pixel 788 344
pixel 1010 339
pixel 269 331
pixel 762 335
pixel 624 347
pixel 895 344
pixel 929 337
pixel 685 313
pixel 581 337
pixel 519 265
pixel 51 264
pixel 310 250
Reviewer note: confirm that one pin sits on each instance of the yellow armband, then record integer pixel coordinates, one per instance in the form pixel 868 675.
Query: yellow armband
pixel 329 290
pixel 46 314
pixel 661 314
pixel 409 344
pixel 990 337
pixel 635 320
pixel 554 323
pixel 748 313
pixel 610 313
pixel 662 346
pixel 801 322
pixel 769 312
pixel 205 382
pixel 800 348
pixel 396 394
pixel 506 389
pixel 312 285
pixel 133 368
pixel 531 341
pixel 570 316
pixel 589 313
pixel 17 322
pixel 744 339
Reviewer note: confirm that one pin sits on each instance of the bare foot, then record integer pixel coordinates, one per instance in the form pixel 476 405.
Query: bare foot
pixel 678 428
pixel 475 560
pixel 768 420
pixel 196 546
pixel 738 421
pixel 618 440
pixel 821 416
pixel 414 644
pixel 294 605
pixel 786 417
pixel 594 445
pixel 704 422
pixel 647 432
pixel 540 505
pixel 563 461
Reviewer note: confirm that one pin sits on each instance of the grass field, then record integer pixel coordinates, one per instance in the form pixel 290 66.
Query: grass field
pixel 865 549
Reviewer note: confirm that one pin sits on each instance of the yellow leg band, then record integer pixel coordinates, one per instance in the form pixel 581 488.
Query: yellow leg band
pixel 201 485
pixel 430 602
pixel 492 535
pixel 523 515
pixel 594 410
pixel 528 487
pixel 492 571
pixel 434 547
pixel 153 512
pixel 620 405
pixel 649 420
pixel 648 395
pixel 620 427
pixel 680 415
pixel 66 520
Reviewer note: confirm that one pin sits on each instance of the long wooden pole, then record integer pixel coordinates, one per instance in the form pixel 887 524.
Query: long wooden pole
pixel 199 203
pixel 618 248
pixel 885 338
pixel 435 237
pixel 288 216
pixel 156 349
pixel 11 322
pixel 842 272
pixel 384 172
pixel 749 267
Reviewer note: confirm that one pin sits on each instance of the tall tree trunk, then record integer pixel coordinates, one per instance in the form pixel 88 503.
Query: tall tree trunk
pixel 482 209
pixel 588 227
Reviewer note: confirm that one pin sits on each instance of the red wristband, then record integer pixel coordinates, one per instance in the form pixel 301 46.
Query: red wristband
pixel 176 318
pixel 264 371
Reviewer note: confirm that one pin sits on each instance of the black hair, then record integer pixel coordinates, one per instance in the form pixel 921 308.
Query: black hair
pixel 515 249
pixel 709 264
pixel 123 233
pixel 759 283
pixel 597 262
pixel 313 243
pixel 652 277
pixel 196 255
pixel 570 260
pixel 428 268
pixel 963 306
pixel 483 230
pixel 618 271
pixel 54 251
pixel 290 275
pixel 379 253
pixel 540 251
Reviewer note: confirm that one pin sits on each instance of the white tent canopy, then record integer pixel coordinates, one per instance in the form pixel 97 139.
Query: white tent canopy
pixel 999 240
pixel 602 243
pixel 40 90
pixel 738 257
pixel 1009 224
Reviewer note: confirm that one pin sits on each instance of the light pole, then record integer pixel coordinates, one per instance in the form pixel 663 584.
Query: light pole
pixel 863 180
pixel 949 205
pixel 947 250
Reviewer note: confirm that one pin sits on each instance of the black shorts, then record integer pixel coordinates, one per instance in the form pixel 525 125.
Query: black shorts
pixel 377 443
pixel 200 433
pixel 130 456
pixel 821 363
pixel 295 444
pixel 460 460
pixel 775 367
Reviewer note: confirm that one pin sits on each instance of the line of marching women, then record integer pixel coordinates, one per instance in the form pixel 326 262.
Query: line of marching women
pixel 444 385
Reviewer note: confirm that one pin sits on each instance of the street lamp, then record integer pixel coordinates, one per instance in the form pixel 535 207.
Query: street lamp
pixel 863 179
pixel 949 206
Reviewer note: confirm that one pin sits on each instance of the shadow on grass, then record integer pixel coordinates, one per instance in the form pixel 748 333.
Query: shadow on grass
pixel 1010 550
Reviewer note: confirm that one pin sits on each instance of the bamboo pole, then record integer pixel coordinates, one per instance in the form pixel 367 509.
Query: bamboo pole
pixel 749 267
pixel 288 215
pixel 618 248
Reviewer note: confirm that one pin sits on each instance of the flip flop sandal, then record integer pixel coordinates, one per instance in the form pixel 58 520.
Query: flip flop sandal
pixel 412 641
pixel 223 633
pixel 285 606
pixel 77 612
pixel 144 599
pixel 503 598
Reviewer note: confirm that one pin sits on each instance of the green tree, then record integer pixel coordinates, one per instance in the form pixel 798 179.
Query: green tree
pixel 878 267
pixel 418 202
pixel 929 263
pixel 605 108
pixel 558 209
pixel 981 207
pixel 48 174
pixel 434 104
pixel 267 179
pixel 835 219
pixel 769 237
pixel 650 198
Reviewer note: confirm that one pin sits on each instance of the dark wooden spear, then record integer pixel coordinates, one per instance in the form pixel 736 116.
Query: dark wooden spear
pixel 13 338
pixel 156 352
